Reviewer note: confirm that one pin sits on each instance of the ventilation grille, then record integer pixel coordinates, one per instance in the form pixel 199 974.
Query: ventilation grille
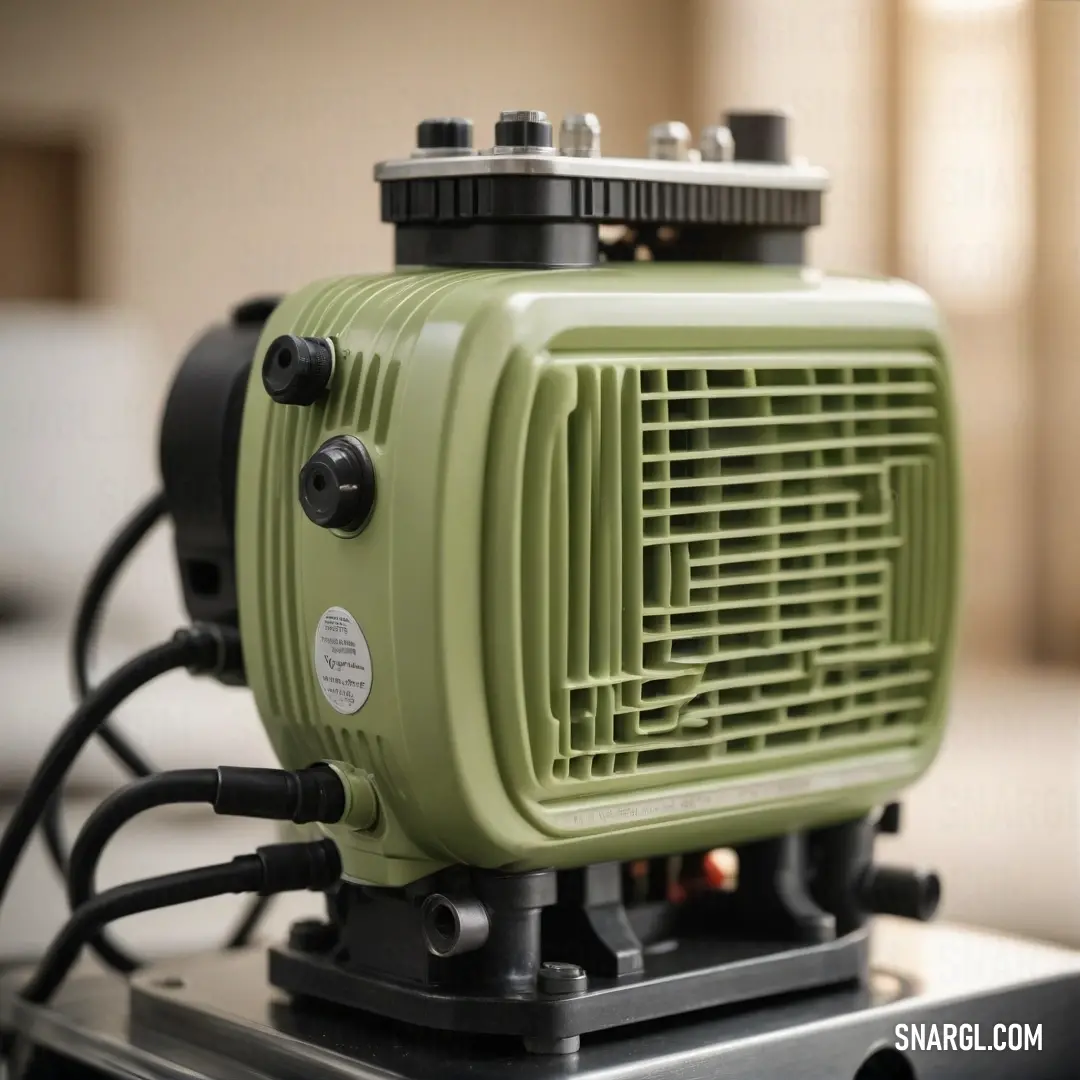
pixel 740 564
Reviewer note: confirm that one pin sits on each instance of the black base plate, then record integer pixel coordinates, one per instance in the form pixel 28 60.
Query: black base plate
pixel 687 976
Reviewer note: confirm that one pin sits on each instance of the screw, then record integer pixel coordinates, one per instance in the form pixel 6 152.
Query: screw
pixel 717 144
pixel 669 141
pixel 579 135
pixel 556 977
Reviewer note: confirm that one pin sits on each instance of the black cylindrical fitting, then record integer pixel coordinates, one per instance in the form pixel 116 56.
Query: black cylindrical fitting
pixel 759 136
pixel 523 129
pixel 454 925
pixel 306 865
pixel 337 485
pixel 908 894
pixel 315 794
pixel 444 133
pixel 510 960
pixel 297 370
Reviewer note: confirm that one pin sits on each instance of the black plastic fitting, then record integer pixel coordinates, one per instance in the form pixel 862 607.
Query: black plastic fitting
pixel 759 136
pixel 315 794
pixel 337 485
pixel 523 129
pixel 297 370
pixel 453 926
pixel 304 865
pixel 908 894
pixel 444 133
pixel 216 650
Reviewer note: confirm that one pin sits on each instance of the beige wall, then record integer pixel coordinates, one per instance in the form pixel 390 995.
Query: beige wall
pixel 826 60
pixel 1057 333
pixel 237 138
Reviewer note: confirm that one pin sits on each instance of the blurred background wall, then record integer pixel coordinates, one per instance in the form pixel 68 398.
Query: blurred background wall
pixel 161 161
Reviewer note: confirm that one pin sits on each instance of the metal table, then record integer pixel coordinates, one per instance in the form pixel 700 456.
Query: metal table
pixel 213 1017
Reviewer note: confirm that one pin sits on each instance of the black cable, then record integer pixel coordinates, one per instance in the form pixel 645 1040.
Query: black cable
pixel 248 922
pixel 314 794
pixel 199 649
pixel 88 612
pixel 87 617
pixel 94 593
pixel 162 789
pixel 275 868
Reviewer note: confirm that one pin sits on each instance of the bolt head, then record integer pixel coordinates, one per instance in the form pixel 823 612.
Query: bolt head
pixel 559 978
pixel 579 135
pixel 717 144
pixel 669 141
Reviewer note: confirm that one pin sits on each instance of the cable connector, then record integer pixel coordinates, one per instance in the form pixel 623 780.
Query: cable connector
pixel 304 796
pixel 306 865
pixel 274 868
pixel 216 649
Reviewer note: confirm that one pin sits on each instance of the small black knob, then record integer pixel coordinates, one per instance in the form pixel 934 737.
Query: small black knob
pixel 297 370
pixel 444 133
pixel 522 129
pixel 759 136
pixel 337 485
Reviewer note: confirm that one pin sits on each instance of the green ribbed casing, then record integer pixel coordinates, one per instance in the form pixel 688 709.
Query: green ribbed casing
pixel 662 557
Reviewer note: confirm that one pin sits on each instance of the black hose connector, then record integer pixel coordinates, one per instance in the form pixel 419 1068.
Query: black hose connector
pixel 315 794
pixel 893 890
pixel 216 649
pixel 274 868
pixel 306 865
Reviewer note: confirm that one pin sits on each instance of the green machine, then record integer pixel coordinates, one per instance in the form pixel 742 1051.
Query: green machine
pixel 601 535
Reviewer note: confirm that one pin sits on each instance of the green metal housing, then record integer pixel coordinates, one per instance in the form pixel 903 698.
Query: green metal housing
pixel 663 557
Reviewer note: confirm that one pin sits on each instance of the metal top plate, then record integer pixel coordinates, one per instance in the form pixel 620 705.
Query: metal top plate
pixel 795 177
pixel 214 1016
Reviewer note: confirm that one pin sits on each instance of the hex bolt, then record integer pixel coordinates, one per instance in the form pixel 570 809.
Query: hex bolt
pixel 717 144
pixel 579 135
pixel 669 141
pixel 557 978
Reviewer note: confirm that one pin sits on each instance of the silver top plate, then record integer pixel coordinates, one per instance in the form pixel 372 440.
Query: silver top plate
pixel 795 177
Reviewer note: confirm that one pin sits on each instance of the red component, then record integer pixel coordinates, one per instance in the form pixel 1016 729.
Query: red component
pixel 715 874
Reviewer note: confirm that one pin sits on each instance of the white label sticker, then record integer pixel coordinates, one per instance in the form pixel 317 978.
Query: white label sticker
pixel 342 661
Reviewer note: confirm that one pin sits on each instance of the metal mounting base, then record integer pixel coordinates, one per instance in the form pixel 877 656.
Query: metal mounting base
pixel 546 956
pixel 213 1017
pixel 693 975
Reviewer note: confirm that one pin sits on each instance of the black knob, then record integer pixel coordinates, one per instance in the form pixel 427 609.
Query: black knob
pixel 759 136
pixel 523 128
pixel 297 370
pixel 337 485
pixel 444 133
